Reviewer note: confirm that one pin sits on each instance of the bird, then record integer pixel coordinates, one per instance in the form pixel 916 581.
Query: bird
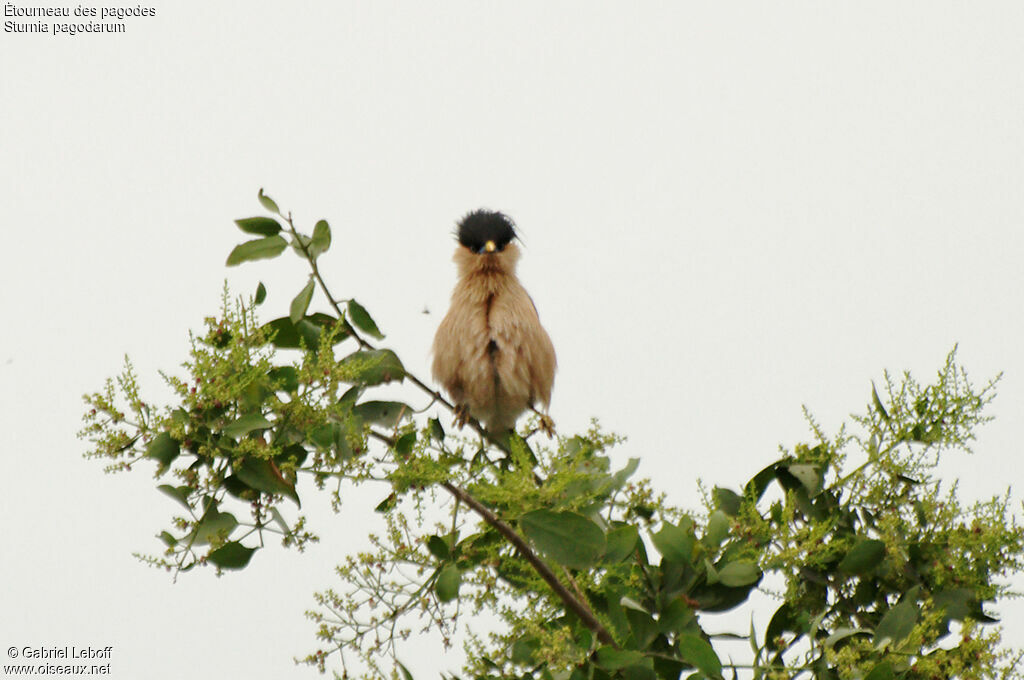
pixel 491 353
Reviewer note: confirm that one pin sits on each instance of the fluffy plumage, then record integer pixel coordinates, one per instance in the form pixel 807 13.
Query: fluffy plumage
pixel 491 353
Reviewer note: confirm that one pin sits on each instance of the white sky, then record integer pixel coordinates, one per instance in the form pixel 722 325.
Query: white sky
pixel 729 210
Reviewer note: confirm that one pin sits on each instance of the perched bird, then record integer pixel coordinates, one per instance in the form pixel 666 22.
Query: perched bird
pixel 490 352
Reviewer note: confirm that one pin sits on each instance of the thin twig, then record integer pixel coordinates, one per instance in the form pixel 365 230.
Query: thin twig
pixel 323 286
pixel 575 586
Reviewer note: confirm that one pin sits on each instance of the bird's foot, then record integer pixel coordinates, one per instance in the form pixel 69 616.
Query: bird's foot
pixel 547 426
pixel 461 415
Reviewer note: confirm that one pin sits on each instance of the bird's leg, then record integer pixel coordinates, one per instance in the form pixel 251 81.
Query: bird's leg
pixel 546 425
pixel 461 415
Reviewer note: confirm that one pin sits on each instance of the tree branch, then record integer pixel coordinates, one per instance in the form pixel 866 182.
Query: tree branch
pixel 577 606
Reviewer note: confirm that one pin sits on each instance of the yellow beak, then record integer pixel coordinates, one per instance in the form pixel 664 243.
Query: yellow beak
pixel 490 247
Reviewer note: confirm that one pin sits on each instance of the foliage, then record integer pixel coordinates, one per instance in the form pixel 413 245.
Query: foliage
pixel 880 571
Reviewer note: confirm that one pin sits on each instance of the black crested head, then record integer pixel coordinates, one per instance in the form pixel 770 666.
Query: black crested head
pixel 486 231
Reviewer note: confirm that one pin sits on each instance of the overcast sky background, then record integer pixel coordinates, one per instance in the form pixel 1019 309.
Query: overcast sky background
pixel 729 210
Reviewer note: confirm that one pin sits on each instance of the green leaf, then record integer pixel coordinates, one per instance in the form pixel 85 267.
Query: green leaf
pixel 287 335
pixel 292 454
pixel 718 597
pixel 809 476
pixel 883 671
pixel 784 620
pixel 164 449
pixel 284 378
pixel 843 634
pixel 675 617
pixel 405 444
pixel 717 529
pixel 878 403
pixel 958 603
pixel 436 431
pixel 267 202
pixel 252 396
pixel 169 540
pixel 301 302
pixel 674 543
pixel 387 504
pixel 619 478
pixel 178 493
pixel 727 500
pixel 438 547
pixel 342 446
pixel 739 573
pixel 759 482
pixel 566 537
pixel 447 584
pixel 239 489
pixel 323 435
pixel 630 603
pixel 698 652
pixel 246 424
pixel 361 319
pixel 215 525
pixel 524 648
pixel 321 240
pixel 264 226
pixel 258 249
pixel 231 555
pixel 385 413
pixel 261 294
pixel 863 558
pixel 898 621
pixel 406 675
pixel 279 518
pixel 639 672
pixel 521 448
pixel 372 367
pixel 300 244
pixel 262 475
pixel 128 444
pixel 643 510
pixel 642 625
pixel 351 396
pixel 613 659
pixel 710 573
pixel 621 544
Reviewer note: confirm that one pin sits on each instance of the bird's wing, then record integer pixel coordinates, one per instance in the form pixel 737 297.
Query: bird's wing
pixel 526 357
pixel 461 361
